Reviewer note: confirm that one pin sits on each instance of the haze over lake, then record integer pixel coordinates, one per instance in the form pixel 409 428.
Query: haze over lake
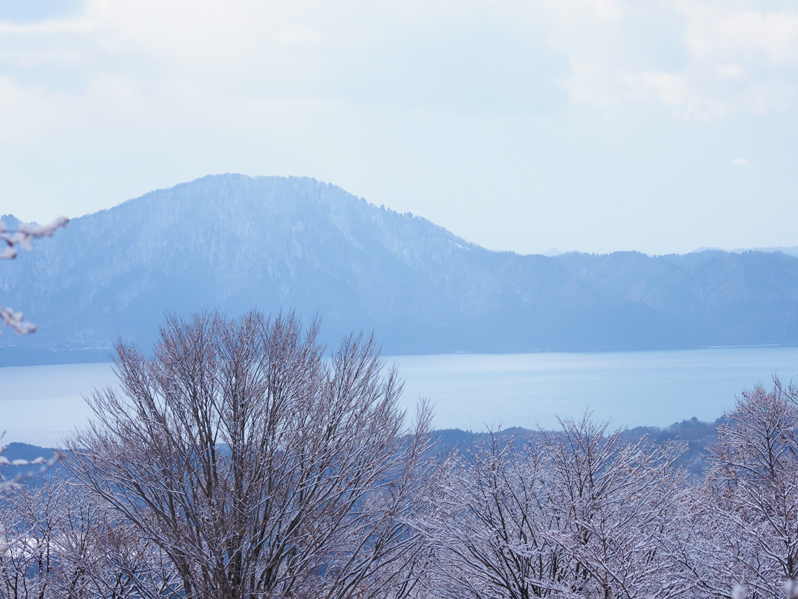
pixel 41 404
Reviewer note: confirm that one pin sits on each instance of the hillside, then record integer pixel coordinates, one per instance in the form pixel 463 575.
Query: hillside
pixel 235 242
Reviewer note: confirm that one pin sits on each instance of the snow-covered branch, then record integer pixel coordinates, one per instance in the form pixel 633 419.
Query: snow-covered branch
pixel 24 234
pixel 21 237
pixel 43 463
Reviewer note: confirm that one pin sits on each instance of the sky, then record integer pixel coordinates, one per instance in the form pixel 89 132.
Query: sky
pixel 592 125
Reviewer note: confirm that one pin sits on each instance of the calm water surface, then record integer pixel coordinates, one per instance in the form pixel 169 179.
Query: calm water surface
pixel 41 404
pixel 630 388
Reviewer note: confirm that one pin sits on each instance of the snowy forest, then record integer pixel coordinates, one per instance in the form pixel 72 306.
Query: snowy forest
pixel 241 459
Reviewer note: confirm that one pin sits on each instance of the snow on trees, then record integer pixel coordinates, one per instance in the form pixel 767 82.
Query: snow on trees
pixel 238 461
pixel 256 466
pixel 748 505
pixel 615 499
pixel 572 514
pixel 490 528
pixel 59 543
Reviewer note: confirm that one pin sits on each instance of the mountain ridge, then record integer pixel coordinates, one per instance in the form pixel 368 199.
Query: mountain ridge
pixel 276 243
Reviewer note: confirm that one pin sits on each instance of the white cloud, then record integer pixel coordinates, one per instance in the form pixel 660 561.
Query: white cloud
pixel 726 57
pixel 770 38
pixel 740 162
pixel 699 58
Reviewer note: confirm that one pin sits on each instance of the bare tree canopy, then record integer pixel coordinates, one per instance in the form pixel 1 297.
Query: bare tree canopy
pixel 260 468
pixel 745 515
pixel 573 514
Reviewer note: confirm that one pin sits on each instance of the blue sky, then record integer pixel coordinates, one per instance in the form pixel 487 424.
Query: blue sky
pixel 592 125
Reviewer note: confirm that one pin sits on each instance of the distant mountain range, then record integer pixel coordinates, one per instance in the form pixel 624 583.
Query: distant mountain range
pixel 696 435
pixel 236 242
pixel 790 251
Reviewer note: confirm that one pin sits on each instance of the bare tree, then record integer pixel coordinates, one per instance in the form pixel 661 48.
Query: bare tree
pixel 747 509
pixel 578 514
pixel 616 501
pixel 29 520
pixel 58 543
pixel 491 524
pixel 257 467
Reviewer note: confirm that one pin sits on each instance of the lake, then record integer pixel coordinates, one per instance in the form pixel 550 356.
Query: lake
pixel 42 404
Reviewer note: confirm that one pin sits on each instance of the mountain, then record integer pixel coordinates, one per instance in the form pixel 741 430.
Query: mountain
pixel 696 435
pixel 236 242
